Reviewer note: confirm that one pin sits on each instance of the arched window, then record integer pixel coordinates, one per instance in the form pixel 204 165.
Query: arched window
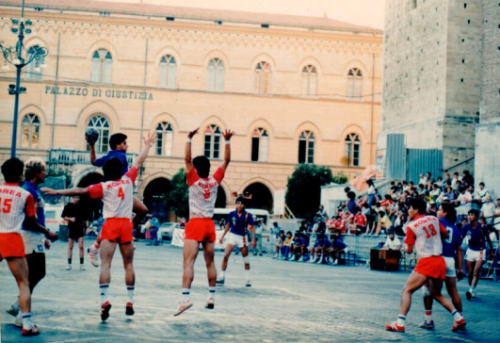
pixel 164 139
pixel 168 72
pixel 309 80
pixel 306 147
pixel 30 131
pixel 352 149
pixel 216 75
pixel 100 124
pixel 355 84
pixel 35 69
pixel 260 144
pixel 212 142
pixel 263 78
pixel 102 64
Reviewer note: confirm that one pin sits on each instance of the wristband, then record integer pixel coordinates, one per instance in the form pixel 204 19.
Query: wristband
pixel 228 142
pixel 189 140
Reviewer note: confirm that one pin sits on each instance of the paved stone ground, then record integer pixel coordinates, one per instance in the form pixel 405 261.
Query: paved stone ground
pixel 289 302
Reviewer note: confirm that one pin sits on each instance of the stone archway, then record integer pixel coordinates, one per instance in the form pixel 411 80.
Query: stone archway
pixel 92 208
pixel 221 201
pixel 262 197
pixel 156 195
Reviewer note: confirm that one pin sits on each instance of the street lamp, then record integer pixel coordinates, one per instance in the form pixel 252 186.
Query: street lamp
pixel 20 57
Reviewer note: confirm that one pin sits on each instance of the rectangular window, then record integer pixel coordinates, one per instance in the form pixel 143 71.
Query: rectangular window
pixel 216 146
pixel 159 143
pixel 264 143
pixel 302 151
pixel 255 149
pixel 169 135
pixel 355 159
pixel 310 155
pixel 207 146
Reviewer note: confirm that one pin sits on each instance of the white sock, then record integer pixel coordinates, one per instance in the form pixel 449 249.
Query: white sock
pixel 211 292
pixel 401 320
pixel 247 274
pixel 104 287
pixel 222 274
pixel 428 316
pixel 473 288
pixel 130 293
pixel 457 316
pixel 185 293
pixel 27 325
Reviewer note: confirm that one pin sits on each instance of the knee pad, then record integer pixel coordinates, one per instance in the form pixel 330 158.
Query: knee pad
pixel 246 259
pixel 426 291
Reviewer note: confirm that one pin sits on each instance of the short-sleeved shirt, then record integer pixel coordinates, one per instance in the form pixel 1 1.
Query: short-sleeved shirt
pixel 451 244
pixel 117 196
pixel 339 244
pixel 360 219
pixel 239 224
pixel 119 154
pixel 203 193
pixel 72 210
pixel 424 232
pixel 325 243
pixel 32 238
pixel 477 236
pixel 16 204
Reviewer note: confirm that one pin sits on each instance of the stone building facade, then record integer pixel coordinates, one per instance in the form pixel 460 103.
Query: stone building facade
pixel 432 76
pixel 294 89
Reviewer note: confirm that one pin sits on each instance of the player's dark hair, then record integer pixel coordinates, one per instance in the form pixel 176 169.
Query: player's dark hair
pixel 351 195
pixel 202 166
pixel 241 200
pixel 116 139
pixel 451 212
pixel 474 212
pixel 112 169
pixel 12 169
pixel 417 204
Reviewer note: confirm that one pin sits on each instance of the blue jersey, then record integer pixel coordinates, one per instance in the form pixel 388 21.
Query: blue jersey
pixel 119 154
pixel 39 203
pixel 477 236
pixel 339 244
pixel 324 243
pixel 450 244
pixel 239 224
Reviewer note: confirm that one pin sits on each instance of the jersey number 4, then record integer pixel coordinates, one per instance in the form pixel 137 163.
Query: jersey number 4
pixel 206 194
pixel 7 205
pixel 432 230
pixel 121 195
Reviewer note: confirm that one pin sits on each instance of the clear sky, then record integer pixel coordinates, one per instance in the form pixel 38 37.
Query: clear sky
pixel 361 12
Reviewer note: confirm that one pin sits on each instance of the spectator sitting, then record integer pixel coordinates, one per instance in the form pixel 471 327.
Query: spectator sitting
pixel 488 211
pixel 432 209
pixel 320 247
pixel 279 243
pixel 481 193
pixel 435 192
pixel 299 247
pixel 384 223
pixel 463 203
pixel 361 222
pixel 287 244
pixel 336 248
pixel 468 178
pixel 392 242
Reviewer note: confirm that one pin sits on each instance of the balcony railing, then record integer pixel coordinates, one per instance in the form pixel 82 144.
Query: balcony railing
pixel 62 156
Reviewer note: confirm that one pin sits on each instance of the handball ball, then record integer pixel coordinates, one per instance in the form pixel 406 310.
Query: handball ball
pixel 91 135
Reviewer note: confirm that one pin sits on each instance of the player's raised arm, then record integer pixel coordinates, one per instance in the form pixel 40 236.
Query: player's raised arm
pixel 148 143
pixel 227 134
pixel 69 191
pixel 187 154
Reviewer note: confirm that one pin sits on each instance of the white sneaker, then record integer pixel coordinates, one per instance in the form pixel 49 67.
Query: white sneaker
pixel 301 259
pixel 248 283
pixel 183 306
pixel 19 320
pixel 210 304
pixel 68 267
pixel 82 267
pixel 275 256
pixel 13 310
pixel 473 294
pixel 93 256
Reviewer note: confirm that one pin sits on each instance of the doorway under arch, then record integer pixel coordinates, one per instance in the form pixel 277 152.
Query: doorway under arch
pixel 156 197
pixel 262 197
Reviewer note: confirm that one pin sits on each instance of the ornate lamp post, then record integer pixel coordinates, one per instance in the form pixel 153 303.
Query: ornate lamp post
pixel 20 57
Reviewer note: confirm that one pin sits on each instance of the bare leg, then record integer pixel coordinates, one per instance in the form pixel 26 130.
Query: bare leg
pixel 70 247
pixel 208 253
pixel 227 252
pixel 244 253
pixel 127 251
pixel 415 281
pixel 436 286
pixel 190 252
pixel 470 273
pixel 107 251
pixel 80 247
pixel 451 287
pixel 477 271
pixel 19 268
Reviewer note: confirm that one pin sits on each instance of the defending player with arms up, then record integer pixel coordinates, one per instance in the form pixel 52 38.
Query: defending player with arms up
pixel 117 196
pixel 17 208
pixel 201 228
pixel 424 233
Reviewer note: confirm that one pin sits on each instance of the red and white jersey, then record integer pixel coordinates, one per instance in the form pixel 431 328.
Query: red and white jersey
pixel 16 204
pixel 117 196
pixel 203 193
pixel 425 234
pixel 361 219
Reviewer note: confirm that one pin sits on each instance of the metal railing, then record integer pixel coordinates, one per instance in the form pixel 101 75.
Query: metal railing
pixel 63 156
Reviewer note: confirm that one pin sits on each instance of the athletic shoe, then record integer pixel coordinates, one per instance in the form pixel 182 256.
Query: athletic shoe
pixel 459 325
pixel 19 321
pixel 301 259
pixel 129 309
pixel 13 310
pixel 210 304
pixel 93 256
pixel 395 327
pixel 473 294
pixel 468 295
pixel 105 310
pixel 220 282
pixel 183 306
pixel 82 267
pixel 68 267
pixel 427 325
pixel 312 261
pixel 275 256
pixel 33 331
pixel 248 283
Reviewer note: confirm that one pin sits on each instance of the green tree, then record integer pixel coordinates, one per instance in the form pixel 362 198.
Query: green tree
pixel 304 189
pixel 179 194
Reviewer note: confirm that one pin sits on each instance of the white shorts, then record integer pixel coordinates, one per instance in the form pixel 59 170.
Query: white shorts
pixel 237 240
pixel 473 255
pixel 450 266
